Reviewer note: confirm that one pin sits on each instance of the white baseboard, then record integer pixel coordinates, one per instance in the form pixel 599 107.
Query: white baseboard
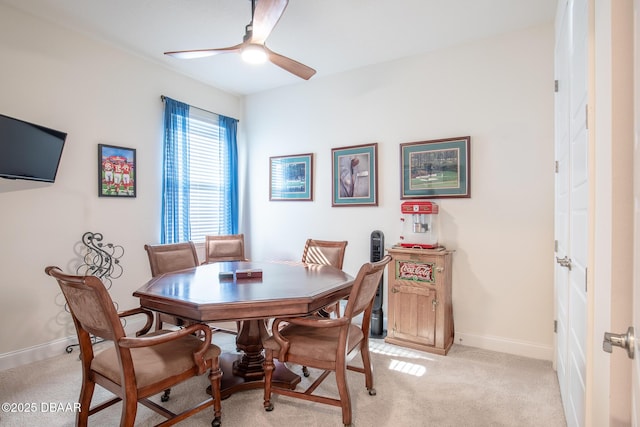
pixel 502 345
pixel 36 353
pixel 51 349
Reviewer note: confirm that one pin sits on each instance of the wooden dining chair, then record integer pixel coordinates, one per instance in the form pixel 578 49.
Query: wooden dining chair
pixel 171 257
pixel 168 258
pixel 224 248
pixel 135 368
pixel 328 344
pixel 325 252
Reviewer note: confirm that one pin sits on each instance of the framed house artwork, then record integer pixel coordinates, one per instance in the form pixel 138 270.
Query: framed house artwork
pixel 291 177
pixel 116 171
pixel 355 175
pixel 438 168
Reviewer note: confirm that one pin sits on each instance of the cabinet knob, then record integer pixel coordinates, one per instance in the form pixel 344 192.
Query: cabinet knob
pixel 439 269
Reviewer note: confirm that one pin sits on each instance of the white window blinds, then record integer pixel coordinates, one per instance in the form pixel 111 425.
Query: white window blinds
pixel 208 173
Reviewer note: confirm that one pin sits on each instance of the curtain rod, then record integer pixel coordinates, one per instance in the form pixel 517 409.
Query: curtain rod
pixel 162 98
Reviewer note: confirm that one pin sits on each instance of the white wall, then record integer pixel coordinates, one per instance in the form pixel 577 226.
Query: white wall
pixel 498 91
pixel 97 94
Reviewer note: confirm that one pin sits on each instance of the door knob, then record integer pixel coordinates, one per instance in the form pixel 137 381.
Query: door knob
pixel 564 262
pixel 626 341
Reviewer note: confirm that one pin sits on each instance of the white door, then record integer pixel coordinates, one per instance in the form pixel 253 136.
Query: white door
pixel 572 197
pixel 562 194
pixel 636 219
pixel 579 205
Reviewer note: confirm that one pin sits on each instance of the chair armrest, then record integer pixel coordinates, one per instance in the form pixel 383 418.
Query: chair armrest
pixel 148 341
pixel 312 321
pixel 139 310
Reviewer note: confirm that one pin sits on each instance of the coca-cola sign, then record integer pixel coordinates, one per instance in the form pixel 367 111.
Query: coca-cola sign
pixel 421 272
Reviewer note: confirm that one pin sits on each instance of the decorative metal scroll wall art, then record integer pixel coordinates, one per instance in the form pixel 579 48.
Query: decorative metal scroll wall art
pixel 101 260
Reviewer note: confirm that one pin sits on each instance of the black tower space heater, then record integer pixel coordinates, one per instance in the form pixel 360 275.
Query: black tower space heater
pixel 377 253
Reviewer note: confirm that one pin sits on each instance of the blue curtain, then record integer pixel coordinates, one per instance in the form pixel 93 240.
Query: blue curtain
pixel 175 178
pixel 228 129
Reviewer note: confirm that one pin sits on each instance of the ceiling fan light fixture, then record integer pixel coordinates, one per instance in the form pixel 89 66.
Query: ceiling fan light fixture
pixel 265 14
pixel 254 54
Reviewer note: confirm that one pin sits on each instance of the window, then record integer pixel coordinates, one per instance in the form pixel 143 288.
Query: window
pixel 199 174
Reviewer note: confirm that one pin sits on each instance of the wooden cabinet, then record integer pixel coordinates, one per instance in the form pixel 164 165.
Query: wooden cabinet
pixel 419 295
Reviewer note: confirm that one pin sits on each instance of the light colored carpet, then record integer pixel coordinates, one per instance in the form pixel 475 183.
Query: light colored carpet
pixel 468 387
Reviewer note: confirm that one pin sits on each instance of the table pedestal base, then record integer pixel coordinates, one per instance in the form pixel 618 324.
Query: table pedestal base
pixel 232 383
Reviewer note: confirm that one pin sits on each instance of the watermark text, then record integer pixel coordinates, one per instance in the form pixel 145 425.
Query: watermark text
pixel 40 407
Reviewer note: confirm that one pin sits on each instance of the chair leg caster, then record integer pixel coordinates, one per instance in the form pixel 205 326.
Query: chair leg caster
pixel 268 407
pixel 372 392
pixel 216 422
pixel 165 396
pixel 305 371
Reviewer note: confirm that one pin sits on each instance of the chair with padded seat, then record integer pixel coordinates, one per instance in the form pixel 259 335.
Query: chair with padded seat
pixel 170 257
pixel 325 252
pixel 135 368
pixel 224 248
pixel 167 258
pixel 328 344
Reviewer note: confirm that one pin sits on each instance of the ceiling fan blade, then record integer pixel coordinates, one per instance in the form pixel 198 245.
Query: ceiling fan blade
pixel 290 65
pixel 265 17
pixel 202 53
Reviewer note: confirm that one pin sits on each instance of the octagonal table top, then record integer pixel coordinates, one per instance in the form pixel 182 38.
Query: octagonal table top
pixel 211 292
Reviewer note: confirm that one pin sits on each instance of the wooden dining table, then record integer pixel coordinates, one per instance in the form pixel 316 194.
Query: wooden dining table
pixel 252 293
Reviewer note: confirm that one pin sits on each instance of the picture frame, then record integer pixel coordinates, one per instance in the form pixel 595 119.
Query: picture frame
pixel 355 175
pixel 438 168
pixel 117 171
pixel 291 177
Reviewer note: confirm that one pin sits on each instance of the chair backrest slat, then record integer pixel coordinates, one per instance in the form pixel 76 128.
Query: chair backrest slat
pixel 325 252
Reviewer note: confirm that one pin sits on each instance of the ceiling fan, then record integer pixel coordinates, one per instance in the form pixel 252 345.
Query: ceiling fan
pixel 265 14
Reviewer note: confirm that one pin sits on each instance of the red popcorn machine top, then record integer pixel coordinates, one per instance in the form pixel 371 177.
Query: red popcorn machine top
pixel 419 225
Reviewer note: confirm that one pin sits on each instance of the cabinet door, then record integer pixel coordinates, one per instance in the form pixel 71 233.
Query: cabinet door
pixel 414 313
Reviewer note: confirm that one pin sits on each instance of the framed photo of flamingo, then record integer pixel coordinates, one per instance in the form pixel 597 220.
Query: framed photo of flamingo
pixel 355 175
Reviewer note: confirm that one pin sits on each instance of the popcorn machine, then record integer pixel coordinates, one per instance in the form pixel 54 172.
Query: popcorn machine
pixel 419 225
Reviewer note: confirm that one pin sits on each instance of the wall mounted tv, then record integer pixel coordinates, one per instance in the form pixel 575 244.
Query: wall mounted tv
pixel 29 151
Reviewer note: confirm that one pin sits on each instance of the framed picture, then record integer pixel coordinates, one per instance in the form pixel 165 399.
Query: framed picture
pixel 355 175
pixel 291 177
pixel 116 171
pixel 435 169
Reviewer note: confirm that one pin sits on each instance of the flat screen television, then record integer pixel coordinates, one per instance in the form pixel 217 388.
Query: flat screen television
pixel 29 151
